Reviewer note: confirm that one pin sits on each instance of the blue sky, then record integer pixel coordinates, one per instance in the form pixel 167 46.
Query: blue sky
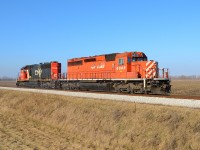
pixel 34 31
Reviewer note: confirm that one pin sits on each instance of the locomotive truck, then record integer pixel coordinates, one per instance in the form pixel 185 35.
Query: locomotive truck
pixel 129 72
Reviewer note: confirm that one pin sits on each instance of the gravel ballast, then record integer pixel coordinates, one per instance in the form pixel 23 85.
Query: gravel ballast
pixel 138 99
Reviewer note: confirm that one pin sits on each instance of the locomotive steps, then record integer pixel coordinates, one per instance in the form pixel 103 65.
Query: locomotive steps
pixel 138 99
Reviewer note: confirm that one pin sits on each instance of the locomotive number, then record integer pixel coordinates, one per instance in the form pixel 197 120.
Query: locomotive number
pixel 121 68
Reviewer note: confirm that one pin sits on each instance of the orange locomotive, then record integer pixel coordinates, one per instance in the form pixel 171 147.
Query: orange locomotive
pixel 122 72
pixel 129 72
pixel 128 65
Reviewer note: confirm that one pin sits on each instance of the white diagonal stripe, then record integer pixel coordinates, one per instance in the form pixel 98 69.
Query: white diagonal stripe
pixel 151 73
pixel 153 63
pixel 148 63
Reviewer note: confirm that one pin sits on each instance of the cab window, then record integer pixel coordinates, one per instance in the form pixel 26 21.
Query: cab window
pixel 140 59
pixel 134 59
pixel 121 61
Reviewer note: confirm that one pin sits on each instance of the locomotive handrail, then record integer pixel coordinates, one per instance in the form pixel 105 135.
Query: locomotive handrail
pixel 164 73
pixel 99 75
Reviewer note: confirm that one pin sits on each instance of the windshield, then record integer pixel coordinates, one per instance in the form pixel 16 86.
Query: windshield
pixel 134 59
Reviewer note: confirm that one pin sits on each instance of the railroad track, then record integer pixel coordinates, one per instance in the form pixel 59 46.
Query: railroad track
pixel 12 84
pixel 144 95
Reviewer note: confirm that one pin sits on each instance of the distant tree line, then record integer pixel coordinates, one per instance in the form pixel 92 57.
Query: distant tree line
pixel 5 78
pixel 184 77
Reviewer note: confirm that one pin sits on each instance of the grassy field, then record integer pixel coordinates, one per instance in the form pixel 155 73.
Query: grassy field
pixel 8 83
pixel 186 87
pixel 41 121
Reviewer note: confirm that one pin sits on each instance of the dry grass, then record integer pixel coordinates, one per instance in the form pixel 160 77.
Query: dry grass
pixel 41 121
pixel 186 87
pixel 8 83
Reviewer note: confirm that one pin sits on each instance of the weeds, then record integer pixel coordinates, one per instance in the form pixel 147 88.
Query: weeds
pixel 57 122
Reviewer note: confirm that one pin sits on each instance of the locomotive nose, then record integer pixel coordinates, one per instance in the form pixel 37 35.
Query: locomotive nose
pixel 151 69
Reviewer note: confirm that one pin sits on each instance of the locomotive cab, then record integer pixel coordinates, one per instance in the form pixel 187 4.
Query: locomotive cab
pixel 143 67
pixel 138 56
pixel 133 65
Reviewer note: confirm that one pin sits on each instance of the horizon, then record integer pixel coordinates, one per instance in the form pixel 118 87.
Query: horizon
pixel 42 31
